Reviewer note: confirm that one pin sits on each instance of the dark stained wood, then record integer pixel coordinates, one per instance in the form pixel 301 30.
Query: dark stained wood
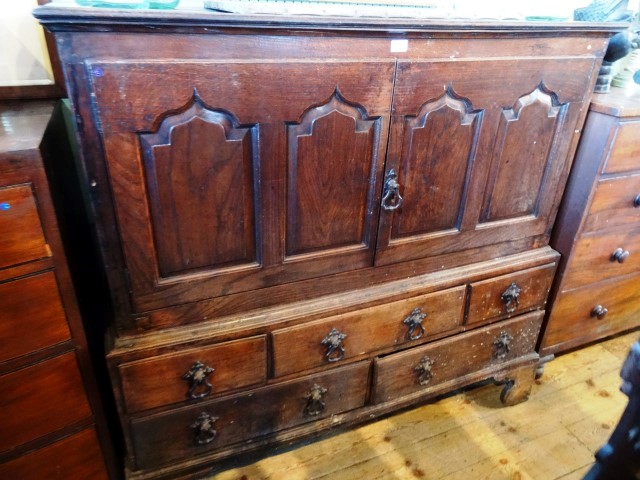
pixel 396 375
pixel 486 300
pixel 77 456
pixel 625 151
pixel 31 316
pixel 300 348
pixel 160 380
pixel 164 438
pixel 613 203
pixel 26 406
pixel 22 238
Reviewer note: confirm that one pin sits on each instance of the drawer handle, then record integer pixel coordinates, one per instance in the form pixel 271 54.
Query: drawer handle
pixel 199 386
pixel 391 198
pixel 315 404
pixel 511 297
pixel 502 345
pixel 636 201
pixel 204 427
pixel 333 342
pixel 599 311
pixel 424 370
pixel 619 255
pixel 414 322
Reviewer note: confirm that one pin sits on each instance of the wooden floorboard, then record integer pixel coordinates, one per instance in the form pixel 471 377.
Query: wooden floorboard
pixel 571 412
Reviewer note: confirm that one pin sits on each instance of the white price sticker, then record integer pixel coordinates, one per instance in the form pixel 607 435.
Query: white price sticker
pixel 399 46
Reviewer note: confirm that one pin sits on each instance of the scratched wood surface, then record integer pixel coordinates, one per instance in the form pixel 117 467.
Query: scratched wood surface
pixel 571 412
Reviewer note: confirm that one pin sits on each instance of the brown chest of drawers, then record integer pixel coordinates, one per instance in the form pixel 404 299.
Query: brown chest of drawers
pixel 597 291
pixel 303 229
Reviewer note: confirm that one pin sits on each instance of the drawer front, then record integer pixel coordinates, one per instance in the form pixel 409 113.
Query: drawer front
pixel 193 374
pixel 511 294
pixel 575 317
pixel 616 202
pixel 426 367
pixel 604 255
pixel 41 399
pixel 625 152
pixel 184 433
pixel 31 316
pixel 313 345
pixel 22 239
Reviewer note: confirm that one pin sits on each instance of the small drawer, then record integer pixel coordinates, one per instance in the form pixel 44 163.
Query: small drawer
pixel 22 239
pixel 615 203
pixel 601 256
pixel 193 374
pixel 426 367
pixel 352 334
pixel 41 399
pixel 625 152
pixel 511 294
pixel 31 316
pixel 184 433
pixel 594 312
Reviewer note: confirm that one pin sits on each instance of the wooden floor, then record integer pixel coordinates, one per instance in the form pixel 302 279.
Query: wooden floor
pixel 570 414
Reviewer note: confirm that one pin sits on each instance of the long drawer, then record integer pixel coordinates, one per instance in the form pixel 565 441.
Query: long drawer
pixel 615 203
pixel 424 368
pixel 180 434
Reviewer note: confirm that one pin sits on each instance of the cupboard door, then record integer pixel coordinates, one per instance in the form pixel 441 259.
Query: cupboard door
pixel 223 183
pixel 479 153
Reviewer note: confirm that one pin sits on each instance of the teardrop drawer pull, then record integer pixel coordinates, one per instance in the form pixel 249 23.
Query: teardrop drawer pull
pixel 391 198
pixel 333 342
pixel 424 370
pixel 636 201
pixel 199 386
pixel 511 297
pixel 619 255
pixel 204 428
pixel 502 345
pixel 414 323
pixel 315 403
pixel 599 311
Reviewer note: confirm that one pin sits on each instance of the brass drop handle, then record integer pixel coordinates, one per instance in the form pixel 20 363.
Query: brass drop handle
pixel 391 198
pixel 511 297
pixel 414 323
pixel 619 255
pixel 315 403
pixel 502 345
pixel 333 342
pixel 636 201
pixel 424 371
pixel 199 386
pixel 599 311
pixel 204 428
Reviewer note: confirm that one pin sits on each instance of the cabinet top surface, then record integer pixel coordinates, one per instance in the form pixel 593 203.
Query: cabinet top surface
pixel 66 17
pixel 22 124
pixel 619 102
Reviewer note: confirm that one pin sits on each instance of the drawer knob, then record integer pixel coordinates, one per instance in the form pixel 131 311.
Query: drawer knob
pixel 315 404
pixel 599 311
pixel 391 198
pixel 424 370
pixel 199 386
pixel 414 323
pixel 511 297
pixel 333 342
pixel 502 345
pixel 204 428
pixel 619 255
pixel 636 201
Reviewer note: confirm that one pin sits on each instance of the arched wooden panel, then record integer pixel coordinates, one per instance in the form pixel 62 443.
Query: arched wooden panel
pixel 437 156
pixel 201 171
pixel 331 170
pixel 521 156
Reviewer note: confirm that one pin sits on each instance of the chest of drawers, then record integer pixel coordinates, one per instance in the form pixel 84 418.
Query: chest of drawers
pixel 303 229
pixel 597 292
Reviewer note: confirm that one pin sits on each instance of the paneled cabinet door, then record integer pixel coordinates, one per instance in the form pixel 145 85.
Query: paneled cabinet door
pixel 230 176
pixel 478 153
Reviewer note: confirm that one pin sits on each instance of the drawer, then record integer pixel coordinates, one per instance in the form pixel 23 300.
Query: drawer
pixel 22 239
pixel 574 316
pixel 194 373
pixel 426 367
pixel 511 294
pixel 74 457
pixel 300 348
pixel 616 202
pixel 603 255
pixel 31 316
pixel 41 399
pixel 184 433
pixel 625 152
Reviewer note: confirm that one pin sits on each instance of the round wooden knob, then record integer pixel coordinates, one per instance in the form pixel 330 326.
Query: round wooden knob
pixel 620 255
pixel 599 311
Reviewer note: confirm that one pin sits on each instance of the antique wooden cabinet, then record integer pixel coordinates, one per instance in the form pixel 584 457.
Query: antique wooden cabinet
pixel 598 233
pixel 307 222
